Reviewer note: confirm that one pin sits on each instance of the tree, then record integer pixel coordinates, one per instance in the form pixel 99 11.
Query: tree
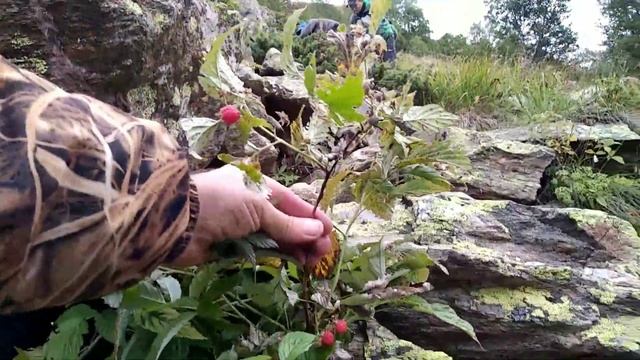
pixel 536 26
pixel 410 22
pixel 623 29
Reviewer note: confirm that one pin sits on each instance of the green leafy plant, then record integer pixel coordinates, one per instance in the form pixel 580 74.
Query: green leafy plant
pixel 254 302
pixel 582 187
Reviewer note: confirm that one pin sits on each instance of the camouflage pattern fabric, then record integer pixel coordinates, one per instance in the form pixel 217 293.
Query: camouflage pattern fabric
pixel 93 199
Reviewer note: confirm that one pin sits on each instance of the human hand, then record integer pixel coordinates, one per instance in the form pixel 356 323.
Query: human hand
pixel 229 210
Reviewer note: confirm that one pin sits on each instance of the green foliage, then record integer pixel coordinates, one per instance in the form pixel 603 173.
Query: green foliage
pixel 623 30
pixel 318 10
pixel 303 49
pixel 582 187
pixel 343 98
pixel 537 26
pixel 254 301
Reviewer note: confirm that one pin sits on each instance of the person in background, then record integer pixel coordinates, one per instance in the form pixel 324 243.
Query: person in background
pixel 95 199
pixel 306 28
pixel 362 16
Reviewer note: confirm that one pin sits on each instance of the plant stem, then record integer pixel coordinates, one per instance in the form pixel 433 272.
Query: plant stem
pixel 237 311
pixel 355 217
pixel 305 155
pixel 88 349
pixel 260 313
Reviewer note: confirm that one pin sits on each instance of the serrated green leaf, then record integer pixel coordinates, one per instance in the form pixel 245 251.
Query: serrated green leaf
pixel 106 323
pixel 431 118
pixel 618 159
pixel 167 333
pixel 247 123
pixel 343 98
pixel 440 311
pixel 201 281
pixel 65 342
pixel 310 74
pixel 142 296
pixel 375 194
pixel 295 344
pixel 287 60
pixel 259 357
pixel 210 77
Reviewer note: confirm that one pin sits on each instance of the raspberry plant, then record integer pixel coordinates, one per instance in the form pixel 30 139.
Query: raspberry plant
pixel 253 302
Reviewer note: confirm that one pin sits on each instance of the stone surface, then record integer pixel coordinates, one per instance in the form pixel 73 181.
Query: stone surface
pixel 620 132
pixel 561 130
pixel 371 341
pixel 123 52
pixel 272 64
pixel 500 169
pixel 535 282
pixel 208 144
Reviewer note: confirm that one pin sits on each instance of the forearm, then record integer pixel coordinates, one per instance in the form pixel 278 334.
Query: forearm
pixel 93 199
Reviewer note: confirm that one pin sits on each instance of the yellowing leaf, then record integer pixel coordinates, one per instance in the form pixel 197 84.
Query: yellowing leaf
pixel 343 99
pixel 247 123
pixel 251 169
pixel 332 189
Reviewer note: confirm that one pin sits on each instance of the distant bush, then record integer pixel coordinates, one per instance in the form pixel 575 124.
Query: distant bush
pixel 326 52
pixel 583 188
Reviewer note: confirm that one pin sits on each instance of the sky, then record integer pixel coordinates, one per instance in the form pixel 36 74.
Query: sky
pixel 457 16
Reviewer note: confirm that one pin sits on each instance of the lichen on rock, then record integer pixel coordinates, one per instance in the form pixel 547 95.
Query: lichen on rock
pixel 536 301
pixel 619 333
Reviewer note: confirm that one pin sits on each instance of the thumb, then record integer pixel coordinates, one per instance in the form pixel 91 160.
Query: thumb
pixel 288 229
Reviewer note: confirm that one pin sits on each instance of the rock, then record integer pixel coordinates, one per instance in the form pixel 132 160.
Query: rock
pixel 562 130
pixel 500 169
pixel 306 191
pixel 127 53
pixel 208 144
pixel 272 65
pixel 371 341
pixel 583 134
pixel 282 94
pixel 535 282
pixel 310 192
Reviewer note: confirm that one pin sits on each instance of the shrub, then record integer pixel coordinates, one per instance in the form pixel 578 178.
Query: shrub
pixel 583 188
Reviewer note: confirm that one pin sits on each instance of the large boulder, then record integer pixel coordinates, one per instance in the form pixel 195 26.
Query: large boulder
pixel 583 136
pixel 500 168
pixel 142 56
pixel 535 282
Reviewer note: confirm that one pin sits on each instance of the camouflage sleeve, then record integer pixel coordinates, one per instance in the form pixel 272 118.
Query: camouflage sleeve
pixel 93 199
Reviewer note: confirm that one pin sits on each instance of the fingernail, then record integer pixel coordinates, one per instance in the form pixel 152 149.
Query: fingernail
pixel 312 228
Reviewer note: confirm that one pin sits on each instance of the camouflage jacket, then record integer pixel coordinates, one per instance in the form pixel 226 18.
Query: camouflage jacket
pixel 93 199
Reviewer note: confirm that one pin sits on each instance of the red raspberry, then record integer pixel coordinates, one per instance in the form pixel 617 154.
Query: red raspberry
pixel 341 327
pixel 230 115
pixel 327 338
